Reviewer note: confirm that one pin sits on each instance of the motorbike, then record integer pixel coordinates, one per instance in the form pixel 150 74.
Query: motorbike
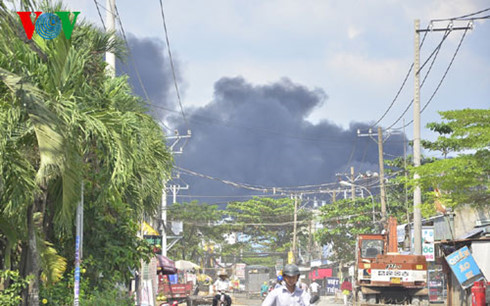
pixel 222 301
pixel 314 299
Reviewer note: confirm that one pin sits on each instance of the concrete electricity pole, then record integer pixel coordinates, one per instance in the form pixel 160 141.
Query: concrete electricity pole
pixel 352 188
pixel 417 195
pixel 382 187
pixel 381 175
pixel 294 226
pixel 174 188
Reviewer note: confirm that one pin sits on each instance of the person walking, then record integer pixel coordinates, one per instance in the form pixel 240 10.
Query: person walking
pixel 346 288
pixel 289 294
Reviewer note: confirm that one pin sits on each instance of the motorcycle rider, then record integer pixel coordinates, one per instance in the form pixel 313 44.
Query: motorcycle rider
pixel 264 289
pixel 289 294
pixel 221 286
pixel 280 281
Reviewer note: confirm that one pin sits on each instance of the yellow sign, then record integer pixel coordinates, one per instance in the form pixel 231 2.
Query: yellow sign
pixel 148 230
pixel 290 257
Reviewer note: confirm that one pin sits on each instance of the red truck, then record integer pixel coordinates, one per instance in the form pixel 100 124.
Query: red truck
pixel 174 292
pixel 385 276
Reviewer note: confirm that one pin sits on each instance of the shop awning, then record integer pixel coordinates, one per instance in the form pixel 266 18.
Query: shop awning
pixel 185 265
pixel 165 265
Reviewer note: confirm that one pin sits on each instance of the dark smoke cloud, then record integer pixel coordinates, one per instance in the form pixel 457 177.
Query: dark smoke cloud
pixel 148 56
pixel 254 134
pixel 259 134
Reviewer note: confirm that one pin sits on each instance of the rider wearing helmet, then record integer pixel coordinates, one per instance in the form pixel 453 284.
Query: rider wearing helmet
pixel 222 285
pixel 280 281
pixel 289 294
pixel 264 289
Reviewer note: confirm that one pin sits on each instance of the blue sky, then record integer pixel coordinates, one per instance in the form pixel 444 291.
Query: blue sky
pixel 358 52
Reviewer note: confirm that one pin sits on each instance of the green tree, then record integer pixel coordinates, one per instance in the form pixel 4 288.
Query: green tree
pixel 399 192
pixel 200 228
pixel 462 179
pixel 63 121
pixel 266 227
pixel 342 221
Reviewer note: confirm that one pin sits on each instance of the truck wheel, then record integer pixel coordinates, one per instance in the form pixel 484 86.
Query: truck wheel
pixel 416 301
pixel 360 297
pixel 371 298
pixel 424 301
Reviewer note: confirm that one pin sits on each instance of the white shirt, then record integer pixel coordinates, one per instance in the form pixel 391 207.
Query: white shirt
pixel 282 297
pixel 278 285
pixel 314 287
pixel 222 285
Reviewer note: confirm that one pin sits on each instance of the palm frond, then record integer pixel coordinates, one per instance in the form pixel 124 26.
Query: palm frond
pixel 53 265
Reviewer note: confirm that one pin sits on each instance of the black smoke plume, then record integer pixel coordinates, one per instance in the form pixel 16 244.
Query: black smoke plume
pixel 255 134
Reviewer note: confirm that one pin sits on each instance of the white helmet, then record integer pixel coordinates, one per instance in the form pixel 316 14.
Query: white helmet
pixel 222 272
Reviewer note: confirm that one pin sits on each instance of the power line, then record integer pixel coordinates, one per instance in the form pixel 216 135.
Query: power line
pixel 100 15
pixel 447 70
pixel 476 18
pixel 212 224
pixel 464 16
pixel 435 51
pixel 351 155
pixel 286 190
pixel 228 196
pixel 433 55
pixel 172 64
pixel 138 76
pixel 440 82
pixel 399 90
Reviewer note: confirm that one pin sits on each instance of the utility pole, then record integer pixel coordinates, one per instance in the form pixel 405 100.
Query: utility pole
pixel 173 188
pixel 110 16
pixel 308 255
pixel 382 187
pixel 78 249
pixel 294 226
pixel 381 175
pixel 163 228
pixel 352 188
pixel 417 195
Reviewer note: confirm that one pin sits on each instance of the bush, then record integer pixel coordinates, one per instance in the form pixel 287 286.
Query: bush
pixel 14 285
pixel 62 293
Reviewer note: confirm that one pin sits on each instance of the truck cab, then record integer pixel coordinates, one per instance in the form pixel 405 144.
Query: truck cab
pixel 385 276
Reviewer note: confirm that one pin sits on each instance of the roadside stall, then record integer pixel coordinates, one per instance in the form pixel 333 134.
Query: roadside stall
pixel 169 289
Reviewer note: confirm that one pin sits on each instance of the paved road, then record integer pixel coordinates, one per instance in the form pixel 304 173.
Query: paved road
pixel 241 300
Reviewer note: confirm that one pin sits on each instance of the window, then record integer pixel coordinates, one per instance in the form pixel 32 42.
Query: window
pixel 371 248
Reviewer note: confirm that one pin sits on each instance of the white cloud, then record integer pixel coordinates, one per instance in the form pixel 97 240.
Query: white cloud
pixel 353 32
pixel 359 68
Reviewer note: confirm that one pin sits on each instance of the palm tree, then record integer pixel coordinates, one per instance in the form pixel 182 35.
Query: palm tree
pixel 63 121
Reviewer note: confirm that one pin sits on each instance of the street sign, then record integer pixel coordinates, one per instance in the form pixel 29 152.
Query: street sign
pixel 464 267
pixel 156 242
pixel 427 242
pixel 333 285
